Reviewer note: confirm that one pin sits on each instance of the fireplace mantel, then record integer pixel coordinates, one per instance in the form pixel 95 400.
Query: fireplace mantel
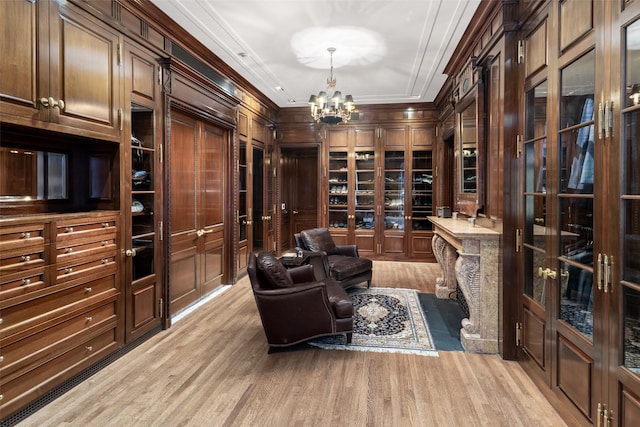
pixel 470 256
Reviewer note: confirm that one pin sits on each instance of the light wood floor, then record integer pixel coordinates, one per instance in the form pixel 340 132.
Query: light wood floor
pixel 212 369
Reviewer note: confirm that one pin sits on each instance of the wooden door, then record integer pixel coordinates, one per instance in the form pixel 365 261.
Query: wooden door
pixel 142 196
pixel 183 193
pixel 535 296
pixel 211 206
pixel 300 188
pixel 84 73
pixel 621 406
pixel 198 191
pixel 25 65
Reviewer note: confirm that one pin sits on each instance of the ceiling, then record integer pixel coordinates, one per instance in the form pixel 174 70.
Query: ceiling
pixel 387 51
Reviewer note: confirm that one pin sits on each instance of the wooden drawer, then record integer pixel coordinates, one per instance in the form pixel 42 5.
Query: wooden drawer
pixel 22 235
pixel 90 228
pixel 32 351
pixel 21 318
pixel 83 248
pixel 21 283
pixel 23 389
pixel 77 269
pixel 22 247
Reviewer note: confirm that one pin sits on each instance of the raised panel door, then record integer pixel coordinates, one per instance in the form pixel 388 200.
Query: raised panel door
pixel 85 73
pixel 25 65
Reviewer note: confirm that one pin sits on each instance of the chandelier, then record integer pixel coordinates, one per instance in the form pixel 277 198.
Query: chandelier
pixel 331 109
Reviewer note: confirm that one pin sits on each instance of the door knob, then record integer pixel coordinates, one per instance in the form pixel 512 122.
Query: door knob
pixel 295 212
pixel 130 252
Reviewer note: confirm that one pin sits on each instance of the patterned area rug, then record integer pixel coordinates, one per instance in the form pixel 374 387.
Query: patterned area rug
pixel 386 320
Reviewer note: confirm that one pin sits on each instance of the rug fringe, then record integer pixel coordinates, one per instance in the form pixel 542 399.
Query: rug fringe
pixel 430 353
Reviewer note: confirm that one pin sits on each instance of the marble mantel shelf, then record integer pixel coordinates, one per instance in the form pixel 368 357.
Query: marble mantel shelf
pixel 470 256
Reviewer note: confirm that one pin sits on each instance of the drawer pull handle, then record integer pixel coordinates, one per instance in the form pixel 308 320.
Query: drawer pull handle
pixel 68 230
pixel 89 348
pixel 26 235
pixel 26 282
pixel 68 250
pixel 105 261
pixel 105 242
pixel 1 358
pixel 89 318
pixel 26 258
pixel 87 290
pixel 68 270
pixel 105 224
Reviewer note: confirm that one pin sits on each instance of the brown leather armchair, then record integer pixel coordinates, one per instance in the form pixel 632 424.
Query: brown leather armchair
pixel 294 306
pixel 341 262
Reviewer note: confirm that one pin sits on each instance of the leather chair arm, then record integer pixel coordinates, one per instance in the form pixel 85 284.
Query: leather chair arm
pixel 346 250
pixel 302 274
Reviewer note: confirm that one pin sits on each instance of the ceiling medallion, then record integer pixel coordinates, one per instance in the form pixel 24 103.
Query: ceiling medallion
pixel 331 109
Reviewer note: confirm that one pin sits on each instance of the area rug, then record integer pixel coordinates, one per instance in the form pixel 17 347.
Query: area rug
pixel 386 320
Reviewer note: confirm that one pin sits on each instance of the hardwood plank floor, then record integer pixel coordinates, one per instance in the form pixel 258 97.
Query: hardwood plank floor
pixel 212 369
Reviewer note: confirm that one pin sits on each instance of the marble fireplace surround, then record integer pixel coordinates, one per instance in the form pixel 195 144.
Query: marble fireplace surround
pixel 470 256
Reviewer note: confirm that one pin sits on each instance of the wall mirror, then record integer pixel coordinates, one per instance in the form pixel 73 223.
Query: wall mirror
pixel 469 141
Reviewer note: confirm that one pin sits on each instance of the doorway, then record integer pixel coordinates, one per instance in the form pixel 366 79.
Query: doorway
pixel 299 196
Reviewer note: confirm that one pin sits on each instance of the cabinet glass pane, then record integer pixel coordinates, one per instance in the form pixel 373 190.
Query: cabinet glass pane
pixel 631 344
pixel 338 189
pixel 143 261
pixel 143 197
pixel 421 190
pixel 535 219
pixel 576 222
pixel 534 286
pixel 576 112
pixel 576 297
pixel 365 190
pixel 632 57
pixel 631 153
pixel 394 190
pixel 242 196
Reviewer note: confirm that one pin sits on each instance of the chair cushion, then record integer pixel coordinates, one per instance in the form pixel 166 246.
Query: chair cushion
pixel 339 298
pixel 274 274
pixel 342 267
pixel 318 240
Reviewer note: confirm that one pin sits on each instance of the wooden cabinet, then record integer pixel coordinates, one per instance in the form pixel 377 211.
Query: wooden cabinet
pixel 579 209
pixel 60 300
pixel 62 73
pixel 380 190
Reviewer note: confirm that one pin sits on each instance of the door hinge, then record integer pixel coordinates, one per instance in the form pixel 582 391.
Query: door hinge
pixel 120 119
pixel 518 334
pixel 518 239
pixel 159 75
pixel 519 146
pixel 119 53
pixel 520 51
pixel 160 154
pixel 161 233
pixel 161 307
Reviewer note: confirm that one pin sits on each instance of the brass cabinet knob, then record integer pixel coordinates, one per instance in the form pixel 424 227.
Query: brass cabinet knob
pixel 26 258
pixel 26 235
pixel 68 230
pixel 26 282
pixel 89 348
pixel 89 318
pixel 88 290
pixel 130 252
pixel 68 270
